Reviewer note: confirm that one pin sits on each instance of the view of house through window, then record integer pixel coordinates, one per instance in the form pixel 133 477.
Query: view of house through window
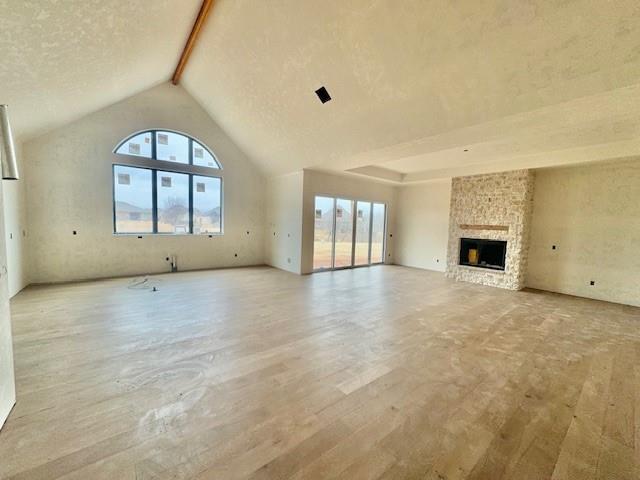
pixel 173 202
pixel 207 195
pixel 347 233
pixel 176 201
pixel 133 200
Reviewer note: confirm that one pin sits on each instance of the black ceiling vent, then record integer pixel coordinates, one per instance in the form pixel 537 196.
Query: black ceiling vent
pixel 323 95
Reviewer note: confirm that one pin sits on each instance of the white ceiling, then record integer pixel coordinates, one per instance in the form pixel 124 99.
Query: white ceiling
pixel 60 60
pixel 414 82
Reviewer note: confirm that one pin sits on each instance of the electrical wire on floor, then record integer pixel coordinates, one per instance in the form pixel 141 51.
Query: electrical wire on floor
pixel 143 283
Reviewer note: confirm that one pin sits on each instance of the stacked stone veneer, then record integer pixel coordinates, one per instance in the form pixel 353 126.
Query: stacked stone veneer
pixel 500 199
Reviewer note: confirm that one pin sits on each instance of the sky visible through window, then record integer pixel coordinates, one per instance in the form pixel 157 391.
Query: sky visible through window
pixel 138 192
pixel 172 147
pixel 133 196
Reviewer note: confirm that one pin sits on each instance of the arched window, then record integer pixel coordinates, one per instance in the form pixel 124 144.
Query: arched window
pixel 169 146
pixel 166 182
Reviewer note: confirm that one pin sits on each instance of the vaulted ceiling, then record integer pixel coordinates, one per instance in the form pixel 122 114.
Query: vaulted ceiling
pixel 60 60
pixel 421 88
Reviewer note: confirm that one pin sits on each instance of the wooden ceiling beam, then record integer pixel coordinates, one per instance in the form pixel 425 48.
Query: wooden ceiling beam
pixel 191 41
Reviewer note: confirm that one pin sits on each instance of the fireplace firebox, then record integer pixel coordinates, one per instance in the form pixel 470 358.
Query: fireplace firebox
pixel 475 252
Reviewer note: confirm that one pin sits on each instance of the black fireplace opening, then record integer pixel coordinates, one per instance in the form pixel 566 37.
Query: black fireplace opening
pixel 476 252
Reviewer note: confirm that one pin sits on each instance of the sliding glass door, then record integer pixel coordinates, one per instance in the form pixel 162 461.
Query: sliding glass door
pixel 363 231
pixel 348 233
pixel 378 224
pixel 343 243
pixel 323 233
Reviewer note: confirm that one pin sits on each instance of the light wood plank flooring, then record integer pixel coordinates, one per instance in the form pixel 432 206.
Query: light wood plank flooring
pixel 383 372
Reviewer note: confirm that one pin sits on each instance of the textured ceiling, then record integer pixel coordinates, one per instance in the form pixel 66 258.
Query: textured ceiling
pixel 414 82
pixel 62 59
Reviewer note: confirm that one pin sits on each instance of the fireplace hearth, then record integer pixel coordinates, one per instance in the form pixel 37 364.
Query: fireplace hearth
pixel 490 254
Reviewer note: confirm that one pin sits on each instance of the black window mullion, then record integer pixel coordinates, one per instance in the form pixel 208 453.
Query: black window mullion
pixel 153 145
pixel 154 189
pixel 190 202
pixel 191 187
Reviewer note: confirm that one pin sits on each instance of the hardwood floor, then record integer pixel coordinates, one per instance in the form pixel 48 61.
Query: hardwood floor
pixel 383 372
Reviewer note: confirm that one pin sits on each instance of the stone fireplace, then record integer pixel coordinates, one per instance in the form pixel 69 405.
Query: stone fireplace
pixel 490 214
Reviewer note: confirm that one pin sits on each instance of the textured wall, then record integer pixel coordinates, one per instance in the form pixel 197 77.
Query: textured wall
pixel 15 227
pixel 284 222
pixel 69 187
pixel 422 226
pixel 591 214
pixel 320 183
pixel 501 199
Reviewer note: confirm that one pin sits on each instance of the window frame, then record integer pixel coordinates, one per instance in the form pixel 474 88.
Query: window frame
pixel 154 153
pixel 154 200
pixel 156 165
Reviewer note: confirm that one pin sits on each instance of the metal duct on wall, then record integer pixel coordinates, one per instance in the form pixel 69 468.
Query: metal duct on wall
pixel 8 153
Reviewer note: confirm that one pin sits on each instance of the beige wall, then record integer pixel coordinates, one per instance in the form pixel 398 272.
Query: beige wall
pixel 320 183
pixel 284 222
pixel 15 226
pixel 422 225
pixel 592 214
pixel 69 186
pixel 7 382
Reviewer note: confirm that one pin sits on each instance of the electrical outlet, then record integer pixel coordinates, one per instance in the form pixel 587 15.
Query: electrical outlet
pixel 592 283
